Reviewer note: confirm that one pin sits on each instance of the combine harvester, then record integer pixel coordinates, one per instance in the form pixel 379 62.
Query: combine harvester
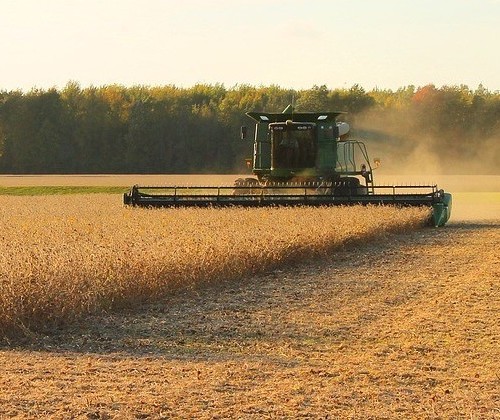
pixel 300 158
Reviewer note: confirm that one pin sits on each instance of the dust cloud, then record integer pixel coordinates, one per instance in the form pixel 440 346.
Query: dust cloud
pixel 466 167
pixel 403 149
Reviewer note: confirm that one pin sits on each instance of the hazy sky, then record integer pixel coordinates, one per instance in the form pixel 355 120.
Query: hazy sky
pixel 290 43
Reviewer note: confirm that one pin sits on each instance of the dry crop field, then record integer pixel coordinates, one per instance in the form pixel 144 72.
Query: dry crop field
pixel 66 256
pixel 344 312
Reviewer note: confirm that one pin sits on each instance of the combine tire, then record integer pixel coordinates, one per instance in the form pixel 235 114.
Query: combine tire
pixel 246 186
pixel 349 186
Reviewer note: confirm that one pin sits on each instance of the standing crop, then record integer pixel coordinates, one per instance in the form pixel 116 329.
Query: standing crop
pixel 65 256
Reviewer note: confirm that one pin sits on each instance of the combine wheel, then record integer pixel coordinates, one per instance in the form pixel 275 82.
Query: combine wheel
pixel 239 182
pixel 362 190
pixel 349 186
pixel 325 188
pixel 246 186
pixel 253 185
pixel 252 182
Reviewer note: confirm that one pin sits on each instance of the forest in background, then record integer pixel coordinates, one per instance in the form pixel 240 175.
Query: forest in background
pixel 168 129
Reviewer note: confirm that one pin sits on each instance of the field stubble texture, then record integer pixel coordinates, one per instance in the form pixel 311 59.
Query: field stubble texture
pixel 64 257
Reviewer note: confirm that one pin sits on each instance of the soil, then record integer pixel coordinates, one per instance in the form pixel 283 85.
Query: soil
pixel 403 327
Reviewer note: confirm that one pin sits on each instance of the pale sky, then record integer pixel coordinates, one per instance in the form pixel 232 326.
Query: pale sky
pixel 290 43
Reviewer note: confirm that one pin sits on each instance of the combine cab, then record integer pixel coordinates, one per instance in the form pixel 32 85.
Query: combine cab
pixel 301 159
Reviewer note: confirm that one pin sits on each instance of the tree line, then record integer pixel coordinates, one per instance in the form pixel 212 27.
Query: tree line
pixel 168 129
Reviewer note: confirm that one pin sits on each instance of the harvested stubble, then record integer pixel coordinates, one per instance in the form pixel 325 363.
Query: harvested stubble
pixel 63 257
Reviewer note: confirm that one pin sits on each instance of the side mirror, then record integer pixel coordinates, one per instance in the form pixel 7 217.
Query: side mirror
pixel 376 162
pixel 243 132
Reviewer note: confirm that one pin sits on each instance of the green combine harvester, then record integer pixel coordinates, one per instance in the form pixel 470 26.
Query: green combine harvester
pixel 300 158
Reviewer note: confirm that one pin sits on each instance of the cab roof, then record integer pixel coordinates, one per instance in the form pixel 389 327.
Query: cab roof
pixel 272 117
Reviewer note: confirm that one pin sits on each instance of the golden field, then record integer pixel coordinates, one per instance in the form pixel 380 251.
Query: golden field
pixel 403 326
pixel 64 256
pixel 258 313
